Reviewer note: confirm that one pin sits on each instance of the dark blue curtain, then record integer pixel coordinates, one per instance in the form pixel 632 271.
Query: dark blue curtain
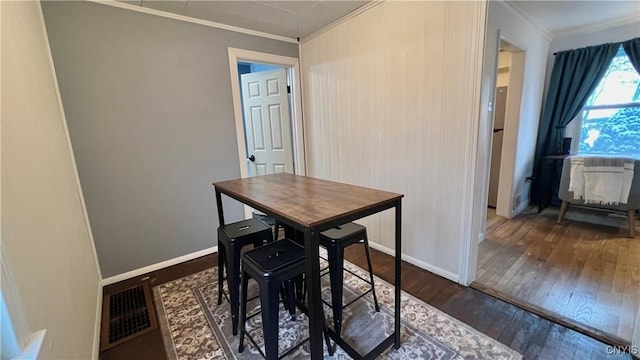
pixel 632 48
pixel 574 76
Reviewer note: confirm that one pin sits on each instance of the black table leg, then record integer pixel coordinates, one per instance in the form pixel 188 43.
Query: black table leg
pixel 316 312
pixel 220 211
pixel 398 283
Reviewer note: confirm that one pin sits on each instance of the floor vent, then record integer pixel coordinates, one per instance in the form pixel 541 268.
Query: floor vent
pixel 127 314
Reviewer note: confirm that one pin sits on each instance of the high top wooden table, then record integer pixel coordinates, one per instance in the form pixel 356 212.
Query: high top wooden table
pixel 311 206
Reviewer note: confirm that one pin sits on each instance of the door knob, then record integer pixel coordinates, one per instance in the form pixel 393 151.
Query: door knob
pixel 252 158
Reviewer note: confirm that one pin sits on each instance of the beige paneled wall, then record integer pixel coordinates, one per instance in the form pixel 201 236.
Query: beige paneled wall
pixel 391 102
pixel 45 235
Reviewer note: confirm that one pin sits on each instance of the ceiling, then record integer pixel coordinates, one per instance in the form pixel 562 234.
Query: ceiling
pixel 291 19
pixel 297 19
pixel 564 17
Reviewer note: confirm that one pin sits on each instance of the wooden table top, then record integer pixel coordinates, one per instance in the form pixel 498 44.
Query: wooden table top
pixel 307 201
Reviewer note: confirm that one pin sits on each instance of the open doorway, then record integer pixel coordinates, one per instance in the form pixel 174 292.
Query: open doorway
pixel 502 199
pixel 289 124
pixel 268 113
pixel 579 273
pixel 264 92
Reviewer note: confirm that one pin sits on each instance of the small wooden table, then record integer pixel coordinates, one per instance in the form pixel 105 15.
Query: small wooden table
pixel 311 206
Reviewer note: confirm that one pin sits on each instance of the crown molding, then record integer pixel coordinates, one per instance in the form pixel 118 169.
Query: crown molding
pixel 515 10
pixel 582 30
pixel 350 15
pixel 212 24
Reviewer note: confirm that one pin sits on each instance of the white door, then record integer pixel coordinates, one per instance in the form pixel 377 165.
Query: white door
pixel 267 122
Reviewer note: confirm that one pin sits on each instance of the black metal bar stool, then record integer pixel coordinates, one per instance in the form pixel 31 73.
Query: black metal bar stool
pixel 335 241
pixel 271 266
pixel 231 239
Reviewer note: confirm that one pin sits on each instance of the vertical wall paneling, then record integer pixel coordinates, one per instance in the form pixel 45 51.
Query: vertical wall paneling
pixel 391 102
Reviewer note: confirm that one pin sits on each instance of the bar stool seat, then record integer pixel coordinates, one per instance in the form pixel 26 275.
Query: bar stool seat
pixel 335 240
pixel 231 239
pixel 271 266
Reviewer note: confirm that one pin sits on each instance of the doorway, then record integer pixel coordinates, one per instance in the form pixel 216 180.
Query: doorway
pixel 267 118
pixel 575 274
pixel 503 195
pixel 273 126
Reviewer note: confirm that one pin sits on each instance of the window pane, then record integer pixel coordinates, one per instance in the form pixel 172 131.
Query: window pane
pixel 620 84
pixel 611 131
pixel 615 130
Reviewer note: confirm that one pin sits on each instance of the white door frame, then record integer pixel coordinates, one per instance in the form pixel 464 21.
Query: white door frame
pixel 506 206
pixel 297 131
pixel 480 189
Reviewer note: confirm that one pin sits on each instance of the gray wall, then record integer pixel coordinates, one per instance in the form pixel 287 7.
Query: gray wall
pixel 149 106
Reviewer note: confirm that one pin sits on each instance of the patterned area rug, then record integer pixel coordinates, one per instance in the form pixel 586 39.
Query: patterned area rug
pixel 195 327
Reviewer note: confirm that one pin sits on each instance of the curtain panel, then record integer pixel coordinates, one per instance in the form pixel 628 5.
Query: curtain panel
pixel 574 76
pixel 632 48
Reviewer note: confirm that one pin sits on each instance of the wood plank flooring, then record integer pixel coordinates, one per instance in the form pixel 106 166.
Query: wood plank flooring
pixel 529 334
pixel 583 273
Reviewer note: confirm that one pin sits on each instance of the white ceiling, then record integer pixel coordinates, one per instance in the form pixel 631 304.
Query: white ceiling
pixel 293 19
pixel 564 17
pixel 287 18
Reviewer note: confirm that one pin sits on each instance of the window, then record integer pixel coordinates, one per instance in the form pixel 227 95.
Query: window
pixel 16 341
pixel 9 342
pixel 611 116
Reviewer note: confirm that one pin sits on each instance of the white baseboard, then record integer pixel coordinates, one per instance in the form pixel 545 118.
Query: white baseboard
pixel 158 266
pixel 521 208
pixel 421 264
pixel 98 325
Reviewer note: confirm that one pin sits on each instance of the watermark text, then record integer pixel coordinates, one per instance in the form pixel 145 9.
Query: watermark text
pixel 618 350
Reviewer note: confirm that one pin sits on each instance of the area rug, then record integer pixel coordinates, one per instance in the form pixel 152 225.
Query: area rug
pixel 193 326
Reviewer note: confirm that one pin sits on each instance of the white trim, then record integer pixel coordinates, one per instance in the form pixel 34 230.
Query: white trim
pixel 14 320
pixel 521 208
pixel 512 8
pixel 421 264
pixel 158 266
pixel 297 129
pixel 513 115
pixel 350 15
pixel 475 199
pixel 15 313
pixel 36 343
pixel 588 29
pixel 32 350
pixel 208 23
pixel 98 324
pixel 85 214
pixel 291 63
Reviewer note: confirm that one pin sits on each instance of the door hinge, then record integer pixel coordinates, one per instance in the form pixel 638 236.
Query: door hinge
pixel 288 89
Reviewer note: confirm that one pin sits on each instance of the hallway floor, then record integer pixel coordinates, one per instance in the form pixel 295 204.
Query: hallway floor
pixel 584 273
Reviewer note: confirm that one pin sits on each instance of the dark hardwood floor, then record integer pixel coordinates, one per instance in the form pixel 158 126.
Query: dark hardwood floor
pixel 529 334
pixel 583 273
